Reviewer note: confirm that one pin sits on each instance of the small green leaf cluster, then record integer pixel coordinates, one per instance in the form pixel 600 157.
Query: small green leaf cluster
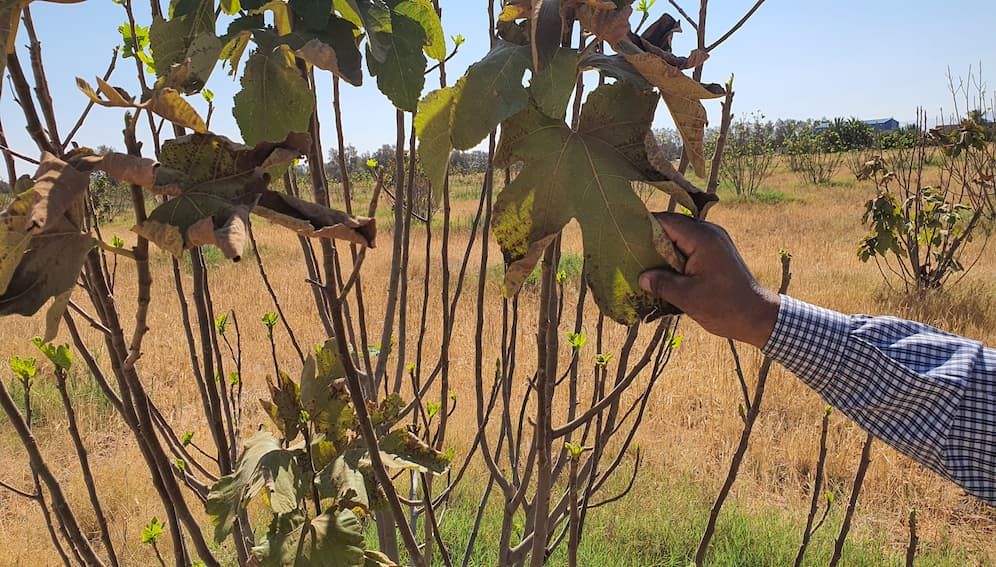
pixel 320 490
pixel 152 531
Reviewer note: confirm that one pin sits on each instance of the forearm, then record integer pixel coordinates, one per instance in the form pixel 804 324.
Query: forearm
pixel 929 394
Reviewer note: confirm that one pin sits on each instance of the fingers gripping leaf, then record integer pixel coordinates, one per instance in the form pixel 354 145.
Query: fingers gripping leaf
pixel 586 175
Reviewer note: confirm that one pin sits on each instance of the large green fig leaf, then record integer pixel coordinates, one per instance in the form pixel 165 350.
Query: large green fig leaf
pixel 490 92
pixel 324 395
pixel 185 48
pixel 400 72
pixel 333 539
pixel 42 246
pixel 424 13
pixel 462 115
pixel 586 175
pixel 275 99
pixel 264 464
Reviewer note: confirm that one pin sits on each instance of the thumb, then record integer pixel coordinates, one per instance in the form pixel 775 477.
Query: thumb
pixel 667 285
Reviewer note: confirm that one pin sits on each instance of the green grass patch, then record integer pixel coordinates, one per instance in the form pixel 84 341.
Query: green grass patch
pixel 660 523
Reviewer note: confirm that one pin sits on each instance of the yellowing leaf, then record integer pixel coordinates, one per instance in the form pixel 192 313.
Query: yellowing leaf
pixel 424 13
pixel 165 102
pixel 512 12
pixel 586 175
pixel 169 104
pixel 432 124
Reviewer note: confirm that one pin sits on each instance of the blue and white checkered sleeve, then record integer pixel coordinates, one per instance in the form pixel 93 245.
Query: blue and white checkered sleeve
pixel 929 394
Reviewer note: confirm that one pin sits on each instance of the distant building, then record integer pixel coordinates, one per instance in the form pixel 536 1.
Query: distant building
pixel 879 125
pixel 883 124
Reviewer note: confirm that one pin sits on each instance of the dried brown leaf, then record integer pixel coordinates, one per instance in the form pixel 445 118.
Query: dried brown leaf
pixel 227 230
pixel 310 219
pixel 129 169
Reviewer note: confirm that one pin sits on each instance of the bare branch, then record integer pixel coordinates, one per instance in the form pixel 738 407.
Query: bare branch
pixel 852 504
pixel 736 26
pixel 684 14
pixel 89 106
pixel 18 491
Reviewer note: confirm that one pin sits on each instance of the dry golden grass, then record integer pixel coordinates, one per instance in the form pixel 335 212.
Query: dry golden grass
pixel 692 424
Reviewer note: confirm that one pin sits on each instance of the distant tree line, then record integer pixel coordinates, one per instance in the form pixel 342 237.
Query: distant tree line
pixel 461 163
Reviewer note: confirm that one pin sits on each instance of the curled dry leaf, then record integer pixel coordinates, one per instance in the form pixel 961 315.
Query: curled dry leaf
pixel 310 219
pixel 228 230
pixel 166 102
pixel 42 247
pixel 683 96
pixel 129 169
pixel 605 21
pixel 650 54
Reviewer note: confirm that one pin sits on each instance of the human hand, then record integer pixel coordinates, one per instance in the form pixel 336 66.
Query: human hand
pixel 716 289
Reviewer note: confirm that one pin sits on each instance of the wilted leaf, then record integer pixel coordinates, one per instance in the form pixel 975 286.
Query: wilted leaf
pixel 586 175
pixel 275 99
pixel 683 96
pixel 209 176
pixel 402 450
pixel 42 248
pixel 228 231
pixel 264 464
pixel 316 221
pixel 333 539
pixel 605 20
pixel 324 395
pixel 165 102
pixel 332 48
pixel 284 405
pixel 129 169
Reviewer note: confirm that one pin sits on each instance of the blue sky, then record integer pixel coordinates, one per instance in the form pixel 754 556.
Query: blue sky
pixel 794 59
